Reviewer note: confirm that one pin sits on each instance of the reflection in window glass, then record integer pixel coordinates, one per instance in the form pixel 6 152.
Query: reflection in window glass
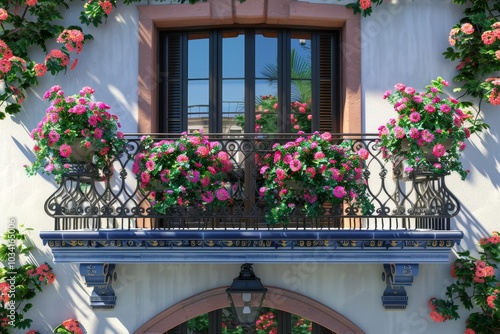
pixel 266 74
pixel 300 112
pixel 233 82
pixel 198 83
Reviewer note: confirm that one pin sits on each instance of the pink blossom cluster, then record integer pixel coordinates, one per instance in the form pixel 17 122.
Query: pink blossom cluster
pixel 305 173
pixel 434 314
pixel 43 273
pixel 483 270
pixel 267 323
pixel 67 119
pixel 365 4
pixel 266 115
pixel 73 326
pixel 190 171
pixel 427 122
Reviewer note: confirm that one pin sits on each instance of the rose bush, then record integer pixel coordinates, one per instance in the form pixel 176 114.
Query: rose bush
pixel 476 286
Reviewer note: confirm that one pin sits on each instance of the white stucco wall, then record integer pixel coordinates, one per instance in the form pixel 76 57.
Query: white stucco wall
pixel 400 43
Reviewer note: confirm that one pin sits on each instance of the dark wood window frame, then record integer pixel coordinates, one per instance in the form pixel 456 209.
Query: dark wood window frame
pixel 326 78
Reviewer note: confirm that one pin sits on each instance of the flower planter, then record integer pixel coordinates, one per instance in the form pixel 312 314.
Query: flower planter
pixel 429 132
pixel 69 122
pixel 418 172
pixel 80 153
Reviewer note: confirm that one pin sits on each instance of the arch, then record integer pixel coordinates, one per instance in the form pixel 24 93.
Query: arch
pixel 278 298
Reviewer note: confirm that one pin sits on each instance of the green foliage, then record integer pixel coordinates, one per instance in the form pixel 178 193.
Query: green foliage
pixel 35 23
pixel 476 287
pixel 365 7
pixel 266 115
pixel 19 283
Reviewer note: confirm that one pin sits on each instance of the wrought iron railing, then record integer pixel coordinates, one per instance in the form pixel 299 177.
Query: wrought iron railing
pixel 90 199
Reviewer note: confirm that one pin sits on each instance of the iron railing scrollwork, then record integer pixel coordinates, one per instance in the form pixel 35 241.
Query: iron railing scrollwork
pixel 93 199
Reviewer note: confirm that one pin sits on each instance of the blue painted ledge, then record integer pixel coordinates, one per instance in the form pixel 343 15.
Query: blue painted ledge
pixel 255 246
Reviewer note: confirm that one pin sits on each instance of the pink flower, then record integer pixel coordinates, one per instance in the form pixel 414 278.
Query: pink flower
pixel 202 151
pixel 319 155
pixel 205 181
pixel 430 108
pixel 436 316
pixel 399 86
pixel 54 136
pixel 427 136
pixel 295 165
pixel 469 331
pixel 98 133
pixel 3 14
pixel 365 4
pixel 490 300
pixel 193 176
pixel 182 158
pixel 339 192
pixel 488 37
pixel 222 194
pixel 65 150
pixel 145 177
pixel 410 90
pixel 414 133
pixel 40 69
pixel 280 174
pixel 326 136
pixel 363 153
pixel 439 150
pixel 207 197
pixel 467 28
pixel 414 117
pixel 445 108
pixel 150 165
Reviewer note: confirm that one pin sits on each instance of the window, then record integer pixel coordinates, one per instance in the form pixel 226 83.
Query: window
pixel 246 80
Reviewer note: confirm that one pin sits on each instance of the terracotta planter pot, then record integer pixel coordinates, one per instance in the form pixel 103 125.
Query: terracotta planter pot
pixel 81 154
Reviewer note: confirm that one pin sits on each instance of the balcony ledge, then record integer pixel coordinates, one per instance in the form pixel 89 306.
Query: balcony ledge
pixel 256 246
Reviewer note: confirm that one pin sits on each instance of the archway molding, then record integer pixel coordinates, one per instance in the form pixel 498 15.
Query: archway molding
pixel 278 298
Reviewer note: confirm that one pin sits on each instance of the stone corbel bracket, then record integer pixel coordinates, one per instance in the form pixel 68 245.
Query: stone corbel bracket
pixel 397 276
pixel 100 276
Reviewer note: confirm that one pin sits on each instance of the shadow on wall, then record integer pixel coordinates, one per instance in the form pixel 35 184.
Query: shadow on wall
pixel 473 230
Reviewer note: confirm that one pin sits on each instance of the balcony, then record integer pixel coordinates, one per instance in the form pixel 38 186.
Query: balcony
pixel 103 215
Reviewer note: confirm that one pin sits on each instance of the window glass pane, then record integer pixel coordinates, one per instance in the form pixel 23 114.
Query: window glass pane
pixel 198 56
pixel 198 105
pixel 233 106
pixel 233 84
pixel 266 83
pixel 233 55
pixel 198 83
pixel 300 113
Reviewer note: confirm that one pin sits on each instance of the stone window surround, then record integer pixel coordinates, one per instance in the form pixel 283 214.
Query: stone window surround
pixel 287 13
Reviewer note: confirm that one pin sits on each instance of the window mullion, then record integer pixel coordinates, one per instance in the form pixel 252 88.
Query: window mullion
pixel 249 81
pixel 215 82
pixel 284 85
